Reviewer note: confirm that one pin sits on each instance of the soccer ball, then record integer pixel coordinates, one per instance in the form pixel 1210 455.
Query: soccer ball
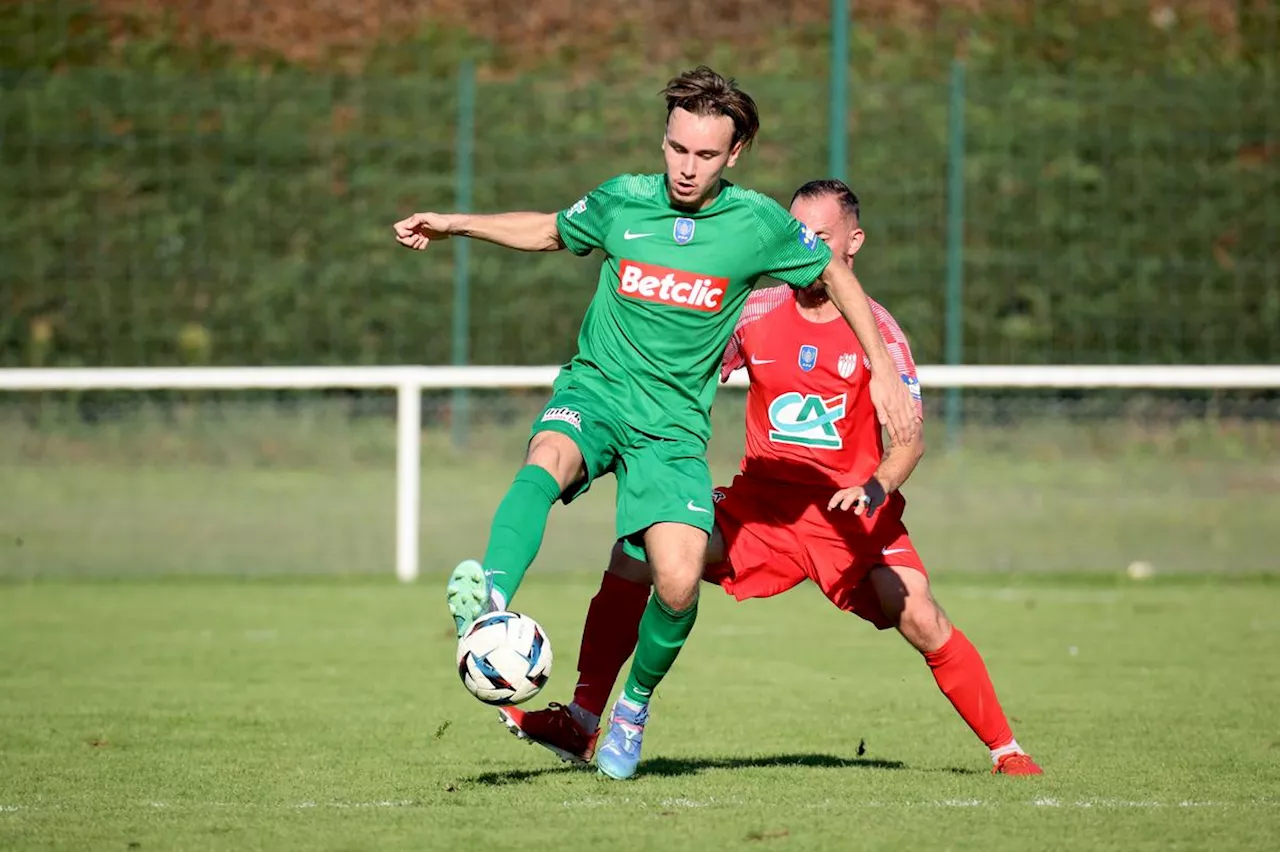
pixel 504 658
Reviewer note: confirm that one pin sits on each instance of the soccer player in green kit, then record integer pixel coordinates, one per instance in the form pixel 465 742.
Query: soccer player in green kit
pixel 682 251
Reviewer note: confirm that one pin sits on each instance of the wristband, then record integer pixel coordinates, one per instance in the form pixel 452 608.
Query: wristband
pixel 875 495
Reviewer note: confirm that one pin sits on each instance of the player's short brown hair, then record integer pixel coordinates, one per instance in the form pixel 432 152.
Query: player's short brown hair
pixel 704 92
pixel 837 189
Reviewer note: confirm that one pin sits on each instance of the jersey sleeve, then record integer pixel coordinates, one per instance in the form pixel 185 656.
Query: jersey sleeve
pixel 758 305
pixel 733 359
pixel 899 350
pixel 584 225
pixel 790 251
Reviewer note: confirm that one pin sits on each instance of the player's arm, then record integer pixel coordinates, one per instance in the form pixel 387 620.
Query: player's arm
pixel 890 396
pixel 902 457
pixel 899 462
pixel 580 228
pixel 520 231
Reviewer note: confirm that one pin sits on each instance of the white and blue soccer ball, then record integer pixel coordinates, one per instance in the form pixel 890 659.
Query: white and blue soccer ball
pixel 504 658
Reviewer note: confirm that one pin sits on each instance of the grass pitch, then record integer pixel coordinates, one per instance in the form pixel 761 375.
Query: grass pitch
pixel 327 714
pixel 201 648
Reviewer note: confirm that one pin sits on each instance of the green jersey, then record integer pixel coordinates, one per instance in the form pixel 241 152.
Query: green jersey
pixel 671 287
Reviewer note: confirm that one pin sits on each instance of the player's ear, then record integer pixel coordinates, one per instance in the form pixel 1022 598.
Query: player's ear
pixel 734 152
pixel 856 236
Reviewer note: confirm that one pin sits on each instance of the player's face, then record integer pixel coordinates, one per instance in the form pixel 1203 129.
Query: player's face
pixel 698 148
pixel 834 226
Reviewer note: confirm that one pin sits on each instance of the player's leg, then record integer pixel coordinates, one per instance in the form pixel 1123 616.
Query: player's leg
pixel 612 626
pixel 610 632
pixel 746 558
pixel 750 554
pixel 553 462
pixel 907 602
pixel 571 443
pixel 609 638
pixel 666 493
pixel 676 554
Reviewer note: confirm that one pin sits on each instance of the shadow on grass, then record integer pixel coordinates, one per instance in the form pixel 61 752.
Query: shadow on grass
pixel 670 767
pixel 958 770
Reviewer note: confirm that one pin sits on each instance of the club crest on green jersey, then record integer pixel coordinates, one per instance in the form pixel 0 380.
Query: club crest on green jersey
pixel 807 420
pixel 682 233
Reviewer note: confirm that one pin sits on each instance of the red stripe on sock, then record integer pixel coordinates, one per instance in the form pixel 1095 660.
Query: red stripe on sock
pixel 608 639
pixel 962 676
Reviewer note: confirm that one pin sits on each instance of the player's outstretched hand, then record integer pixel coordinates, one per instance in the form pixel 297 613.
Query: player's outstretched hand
pixel 895 407
pixel 417 231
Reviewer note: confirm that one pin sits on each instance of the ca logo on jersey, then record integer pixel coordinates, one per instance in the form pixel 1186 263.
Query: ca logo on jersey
pixel 807 420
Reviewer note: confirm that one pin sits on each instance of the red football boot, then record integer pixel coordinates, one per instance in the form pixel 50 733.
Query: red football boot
pixel 1017 763
pixel 553 728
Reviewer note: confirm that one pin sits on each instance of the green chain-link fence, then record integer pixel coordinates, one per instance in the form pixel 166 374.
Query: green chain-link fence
pixel 155 219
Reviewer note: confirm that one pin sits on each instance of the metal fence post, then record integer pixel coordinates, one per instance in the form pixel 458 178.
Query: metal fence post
pixel 838 109
pixel 955 243
pixel 463 177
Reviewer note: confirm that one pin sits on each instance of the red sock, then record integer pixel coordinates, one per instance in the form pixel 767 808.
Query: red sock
pixel 608 639
pixel 962 676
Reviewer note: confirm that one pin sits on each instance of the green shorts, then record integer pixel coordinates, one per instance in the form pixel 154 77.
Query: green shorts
pixel 659 479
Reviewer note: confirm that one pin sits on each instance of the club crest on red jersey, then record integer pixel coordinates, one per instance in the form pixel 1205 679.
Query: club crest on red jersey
pixel 682 233
pixel 808 357
pixel 847 364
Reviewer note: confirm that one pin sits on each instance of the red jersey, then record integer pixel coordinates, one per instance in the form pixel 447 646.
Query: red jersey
pixel 810 420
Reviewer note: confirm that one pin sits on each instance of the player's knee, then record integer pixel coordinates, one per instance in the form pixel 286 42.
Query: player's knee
pixel 676 583
pixel 906 598
pixel 558 455
pixel 676 554
pixel 925 625
pixel 628 567
pixel 677 594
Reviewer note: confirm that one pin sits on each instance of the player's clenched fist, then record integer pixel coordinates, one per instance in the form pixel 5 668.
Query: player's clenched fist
pixel 417 231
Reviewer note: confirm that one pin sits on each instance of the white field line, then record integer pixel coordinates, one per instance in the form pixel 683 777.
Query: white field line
pixel 688 803
pixel 1039 802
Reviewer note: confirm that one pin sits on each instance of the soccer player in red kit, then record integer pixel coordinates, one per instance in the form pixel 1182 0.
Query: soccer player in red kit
pixel 817 499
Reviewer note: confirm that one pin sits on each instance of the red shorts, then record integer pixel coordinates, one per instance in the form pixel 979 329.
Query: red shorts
pixel 777 536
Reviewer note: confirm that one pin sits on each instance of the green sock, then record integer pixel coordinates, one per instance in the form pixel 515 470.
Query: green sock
pixel 662 635
pixel 518 525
